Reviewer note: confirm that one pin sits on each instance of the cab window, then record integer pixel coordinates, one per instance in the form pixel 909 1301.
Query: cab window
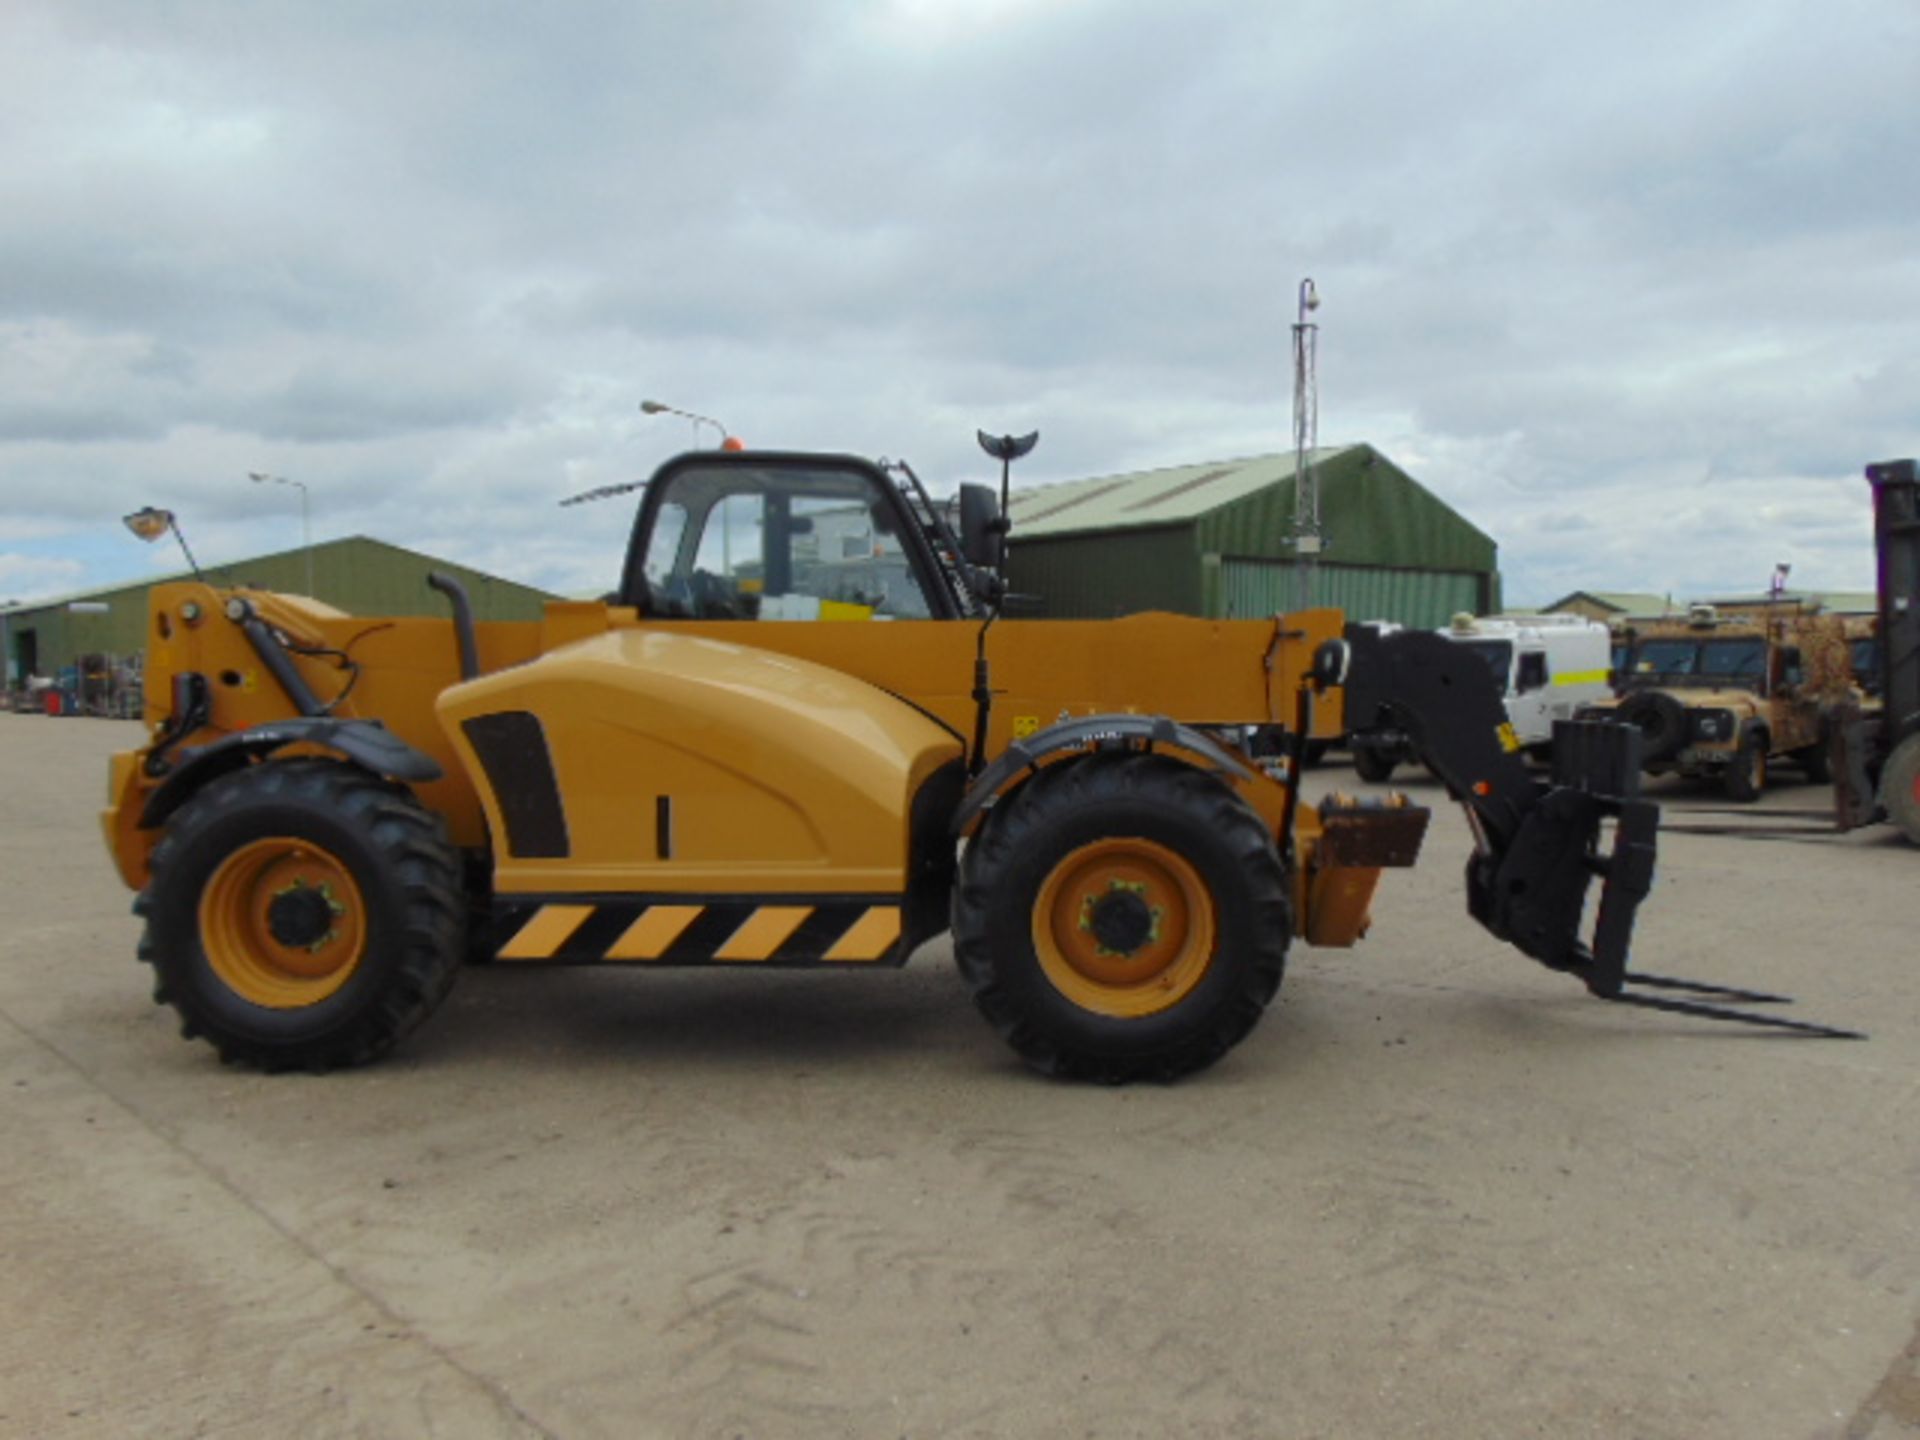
pixel 1744 657
pixel 1666 657
pixel 739 542
pixel 1499 657
pixel 1532 673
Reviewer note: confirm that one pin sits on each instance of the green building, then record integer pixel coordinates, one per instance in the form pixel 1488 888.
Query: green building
pixel 359 575
pixel 1216 540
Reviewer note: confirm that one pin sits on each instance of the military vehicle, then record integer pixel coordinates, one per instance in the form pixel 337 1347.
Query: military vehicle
pixel 1724 696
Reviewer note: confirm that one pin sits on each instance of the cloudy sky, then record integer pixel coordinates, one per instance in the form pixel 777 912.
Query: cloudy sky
pixel 1633 286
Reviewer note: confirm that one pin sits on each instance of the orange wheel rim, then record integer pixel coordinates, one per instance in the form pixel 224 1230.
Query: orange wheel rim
pixel 283 923
pixel 1124 927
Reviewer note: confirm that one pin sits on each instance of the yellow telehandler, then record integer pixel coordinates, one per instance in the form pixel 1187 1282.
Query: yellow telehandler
pixel 800 734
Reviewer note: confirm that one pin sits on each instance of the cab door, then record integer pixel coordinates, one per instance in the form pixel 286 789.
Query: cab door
pixel 1530 699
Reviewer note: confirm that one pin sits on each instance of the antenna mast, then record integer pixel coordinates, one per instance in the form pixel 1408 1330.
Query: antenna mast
pixel 1306 436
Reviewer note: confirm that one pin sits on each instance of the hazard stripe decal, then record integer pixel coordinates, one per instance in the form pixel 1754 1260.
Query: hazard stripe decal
pixel 543 935
pixel 657 928
pixel 677 930
pixel 872 935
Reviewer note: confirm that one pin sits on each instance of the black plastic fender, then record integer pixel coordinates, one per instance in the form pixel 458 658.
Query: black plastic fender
pixel 1092 733
pixel 366 743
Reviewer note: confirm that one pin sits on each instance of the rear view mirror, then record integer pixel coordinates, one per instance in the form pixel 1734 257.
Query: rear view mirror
pixel 979 536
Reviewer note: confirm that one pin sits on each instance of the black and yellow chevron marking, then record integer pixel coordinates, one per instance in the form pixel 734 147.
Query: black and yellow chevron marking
pixel 686 930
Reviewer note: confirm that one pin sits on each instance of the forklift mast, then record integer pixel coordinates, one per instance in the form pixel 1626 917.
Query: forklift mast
pixel 1896 544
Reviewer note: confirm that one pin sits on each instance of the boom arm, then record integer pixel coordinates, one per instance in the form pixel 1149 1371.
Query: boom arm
pixel 1537 843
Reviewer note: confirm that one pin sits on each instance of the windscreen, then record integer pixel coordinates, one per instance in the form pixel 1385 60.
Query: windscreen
pixel 1665 657
pixel 783 542
pixel 1740 657
pixel 1499 657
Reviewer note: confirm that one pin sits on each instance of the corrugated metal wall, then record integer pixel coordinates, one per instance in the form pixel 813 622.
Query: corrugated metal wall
pixel 1395 552
pixel 1098 576
pixel 361 576
pixel 1425 599
pixel 1371 511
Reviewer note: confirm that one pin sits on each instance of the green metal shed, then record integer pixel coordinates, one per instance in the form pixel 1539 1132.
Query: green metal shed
pixel 1215 539
pixel 359 575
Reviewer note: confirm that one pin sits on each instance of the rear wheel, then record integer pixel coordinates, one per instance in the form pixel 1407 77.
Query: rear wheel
pixel 302 914
pixel 1746 776
pixel 1900 787
pixel 1372 763
pixel 1122 919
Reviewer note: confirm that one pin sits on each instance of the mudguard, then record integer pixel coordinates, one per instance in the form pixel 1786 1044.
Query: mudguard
pixel 1090 733
pixel 367 743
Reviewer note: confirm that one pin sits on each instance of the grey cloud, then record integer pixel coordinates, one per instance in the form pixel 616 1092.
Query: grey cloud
pixel 1575 263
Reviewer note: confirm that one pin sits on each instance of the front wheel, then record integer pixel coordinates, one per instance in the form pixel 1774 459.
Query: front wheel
pixel 1122 919
pixel 1900 787
pixel 302 914
pixel 1746 776
pixel 1373 764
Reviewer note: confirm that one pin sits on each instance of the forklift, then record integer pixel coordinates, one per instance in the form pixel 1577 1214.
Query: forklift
pixel 800 733
pixel 1876 756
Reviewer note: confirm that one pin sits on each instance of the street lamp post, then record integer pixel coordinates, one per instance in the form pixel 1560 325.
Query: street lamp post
pixel 306 521
pixel 656 407
pixel 150 522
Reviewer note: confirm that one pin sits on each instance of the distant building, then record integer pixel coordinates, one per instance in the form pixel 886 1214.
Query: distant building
pixel 1609 605
pixel 1833 602
pixel 359 575
pixel 1214 539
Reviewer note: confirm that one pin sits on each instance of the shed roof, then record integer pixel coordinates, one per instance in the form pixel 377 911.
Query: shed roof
pixel 1150 497
pixel 1845 602
pixel 145 582
pixel 1621 602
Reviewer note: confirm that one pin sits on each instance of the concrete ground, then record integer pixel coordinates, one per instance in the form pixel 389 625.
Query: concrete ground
pixel 1438 1192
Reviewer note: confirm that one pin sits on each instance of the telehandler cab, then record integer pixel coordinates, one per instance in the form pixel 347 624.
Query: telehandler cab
pixel 799 735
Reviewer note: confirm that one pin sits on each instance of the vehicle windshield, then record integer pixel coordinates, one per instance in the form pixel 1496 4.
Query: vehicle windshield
pixel 1499 657
pixel 1743 657
pixel 1665 657
pixel 781 542
pixel 1740 658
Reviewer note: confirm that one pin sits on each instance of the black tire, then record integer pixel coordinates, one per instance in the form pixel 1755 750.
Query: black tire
pixel 241 961
pixel 1373 764
pixel 1662 721
pixel 1222 955
pixel 1746 774
pixel 1900 787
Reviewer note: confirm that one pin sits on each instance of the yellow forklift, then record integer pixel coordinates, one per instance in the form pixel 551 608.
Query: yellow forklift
pixel 801 734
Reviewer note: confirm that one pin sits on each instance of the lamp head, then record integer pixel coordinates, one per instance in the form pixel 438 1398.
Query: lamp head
pixel 149 522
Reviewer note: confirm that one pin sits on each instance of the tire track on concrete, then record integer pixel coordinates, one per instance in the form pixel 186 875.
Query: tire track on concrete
pixel 387 1324
pixel 1892 1411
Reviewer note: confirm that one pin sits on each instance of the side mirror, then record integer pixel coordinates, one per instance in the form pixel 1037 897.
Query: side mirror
pixel 979 530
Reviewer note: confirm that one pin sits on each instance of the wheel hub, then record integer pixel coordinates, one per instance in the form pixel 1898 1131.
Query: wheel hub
pixel 302 916
pixel 1124 926
pixel 1121 920
pixel 283 922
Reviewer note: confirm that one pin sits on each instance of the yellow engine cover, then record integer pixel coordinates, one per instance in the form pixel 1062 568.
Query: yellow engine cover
pixel 645 760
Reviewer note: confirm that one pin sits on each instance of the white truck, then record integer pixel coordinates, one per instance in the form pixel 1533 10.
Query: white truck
pixel 1548 666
